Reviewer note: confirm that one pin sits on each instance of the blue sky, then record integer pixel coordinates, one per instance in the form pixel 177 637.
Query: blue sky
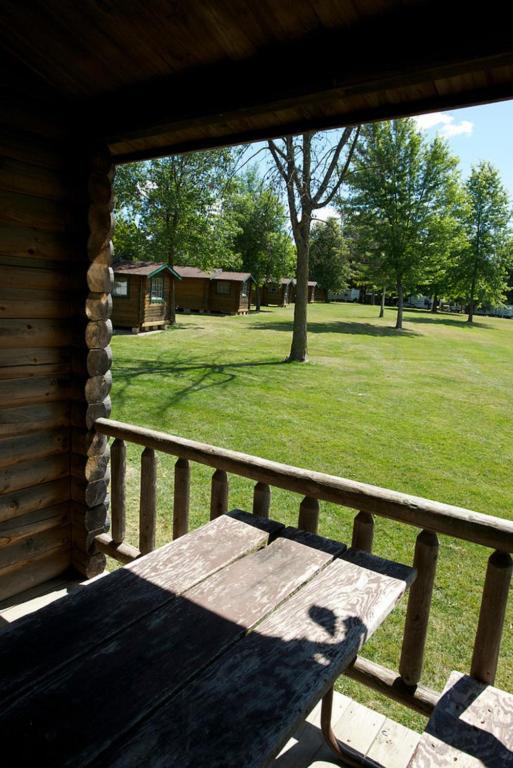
pixel 477 133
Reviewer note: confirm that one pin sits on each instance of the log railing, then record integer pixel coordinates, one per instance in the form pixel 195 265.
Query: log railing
pixel 430 517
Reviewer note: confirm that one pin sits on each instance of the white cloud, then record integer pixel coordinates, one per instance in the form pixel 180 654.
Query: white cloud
pixel 323 214
pixel 445 124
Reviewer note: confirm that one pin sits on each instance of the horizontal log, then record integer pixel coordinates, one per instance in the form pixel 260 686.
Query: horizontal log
pixel 29 242
pixel 25 550
pixel 124 553
pixel 22 419
pixel 91 494
pixel 98 334
pixel 100 277
pixel 33 472
pixel 88 442
pixel 30 211
pixel 100 226
pixel 38 277
pixel 39 308
pixel 37 571
pixel 34 332
pixel 90 518
pixel 34 389
pixel 389 683
pixel 35 446
pixel 90 468
pixel 413 510
pixel 28 179
pixel 27 148
pixel 89 565
pixel 33 523
pixel 32 357
pixel 99 306
pixel 99 361
pixel 104 255
pixel 37 497
pixel 98 410
pixel 98 387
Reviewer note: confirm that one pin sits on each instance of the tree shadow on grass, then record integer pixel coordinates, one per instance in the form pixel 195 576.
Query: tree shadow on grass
pixel 195 375
pixel 437 319
pixel 339 326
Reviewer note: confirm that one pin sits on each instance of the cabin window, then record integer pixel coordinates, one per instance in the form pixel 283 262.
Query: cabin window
pixel 157 290
pixel 120 287
pixel 245 289
pixel 273 289
pixel 223 287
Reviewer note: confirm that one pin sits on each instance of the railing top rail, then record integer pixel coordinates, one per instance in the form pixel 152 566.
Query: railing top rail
pixel 422 513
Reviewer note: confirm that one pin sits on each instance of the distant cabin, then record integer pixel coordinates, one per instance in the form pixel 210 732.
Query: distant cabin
pixel 277 293
pixel 321 294
pixel 311 291
pixel 229 293
pixel 142 296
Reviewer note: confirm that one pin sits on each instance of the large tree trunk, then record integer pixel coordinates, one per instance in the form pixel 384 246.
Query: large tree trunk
pixel 399 321
pixel 299 348
pixel 382 304
pixel 471 308
pixel 434 306
pixel 257 298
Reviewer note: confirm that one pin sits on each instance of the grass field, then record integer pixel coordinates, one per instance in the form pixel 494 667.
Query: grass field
pixel 428 411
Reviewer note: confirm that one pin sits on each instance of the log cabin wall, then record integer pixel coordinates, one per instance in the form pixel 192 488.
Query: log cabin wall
pixel 126 310
pixel 193 293
pixel 157 311
pixel 43 365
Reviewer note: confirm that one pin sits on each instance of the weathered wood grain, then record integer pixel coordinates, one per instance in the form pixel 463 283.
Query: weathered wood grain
pixel 423 513
pixel 24 447
pixel 363 531
pixel 471 727
pixel 181 496
pixel 36 497
pixel 261 499
pixel 32 523
pixel 177 642
pixel 272 677
pixel 118 461
pixel 128 594
pixel 148 501
pixel 218 494
pixel 309 515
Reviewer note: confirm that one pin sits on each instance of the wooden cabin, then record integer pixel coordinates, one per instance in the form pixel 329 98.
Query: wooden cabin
pixel 88 86
pixel 230 292
pixel 321 294
pixel 143 295
pixel 311 291
pixel 217 291
pixel 192 293
pixel 277 293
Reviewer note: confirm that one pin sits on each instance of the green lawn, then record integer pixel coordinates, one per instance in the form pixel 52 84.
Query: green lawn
pixel 427 411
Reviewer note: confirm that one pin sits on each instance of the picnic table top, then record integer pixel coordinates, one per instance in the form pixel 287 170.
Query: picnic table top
pixel 208 651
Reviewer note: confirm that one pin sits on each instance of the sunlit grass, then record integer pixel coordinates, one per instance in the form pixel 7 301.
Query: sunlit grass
pixel 427 411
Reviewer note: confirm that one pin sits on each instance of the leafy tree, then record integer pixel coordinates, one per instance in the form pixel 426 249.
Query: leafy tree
pixel 399 187
pixel 312 167
pixel 262 240
pixel 482 269
pixel 177 205
pixel 329 263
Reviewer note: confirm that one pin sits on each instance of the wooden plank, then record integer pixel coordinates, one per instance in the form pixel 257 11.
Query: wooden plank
pixel 22 243
pixel 34 332
pixel 29 473
pixel 471 727
pixel 36 571
pixel 23 551
pixel 359 727
pixel 177 642
pixel 308 740
pixel 127 594
pixel 394 745
pixel 35 388
pixel 423 513
pixel 22 419
pixel 284 666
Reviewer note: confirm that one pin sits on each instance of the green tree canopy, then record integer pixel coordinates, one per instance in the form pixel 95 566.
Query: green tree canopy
pixel 174 209
pixel 329 262
pixel 400 187
pixel 261 240
pixel 481 271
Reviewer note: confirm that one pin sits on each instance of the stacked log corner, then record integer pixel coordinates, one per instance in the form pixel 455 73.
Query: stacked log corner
pixel 92 377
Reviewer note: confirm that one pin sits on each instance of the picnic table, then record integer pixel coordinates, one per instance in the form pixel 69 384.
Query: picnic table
pixel 209 651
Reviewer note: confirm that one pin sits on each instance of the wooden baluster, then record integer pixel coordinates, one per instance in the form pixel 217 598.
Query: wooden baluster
pixel 181 498
pixel 309 515
pixel 219 494
pixel 363 531
pixel 117 498
pixel 261 499
pixel 419 604
pixel 148 501
pixel 491 617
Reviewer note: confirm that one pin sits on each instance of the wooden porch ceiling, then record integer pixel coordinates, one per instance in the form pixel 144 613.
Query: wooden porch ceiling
pixel 153 77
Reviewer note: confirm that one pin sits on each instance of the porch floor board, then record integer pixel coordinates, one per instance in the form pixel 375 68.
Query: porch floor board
pixel 385 742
